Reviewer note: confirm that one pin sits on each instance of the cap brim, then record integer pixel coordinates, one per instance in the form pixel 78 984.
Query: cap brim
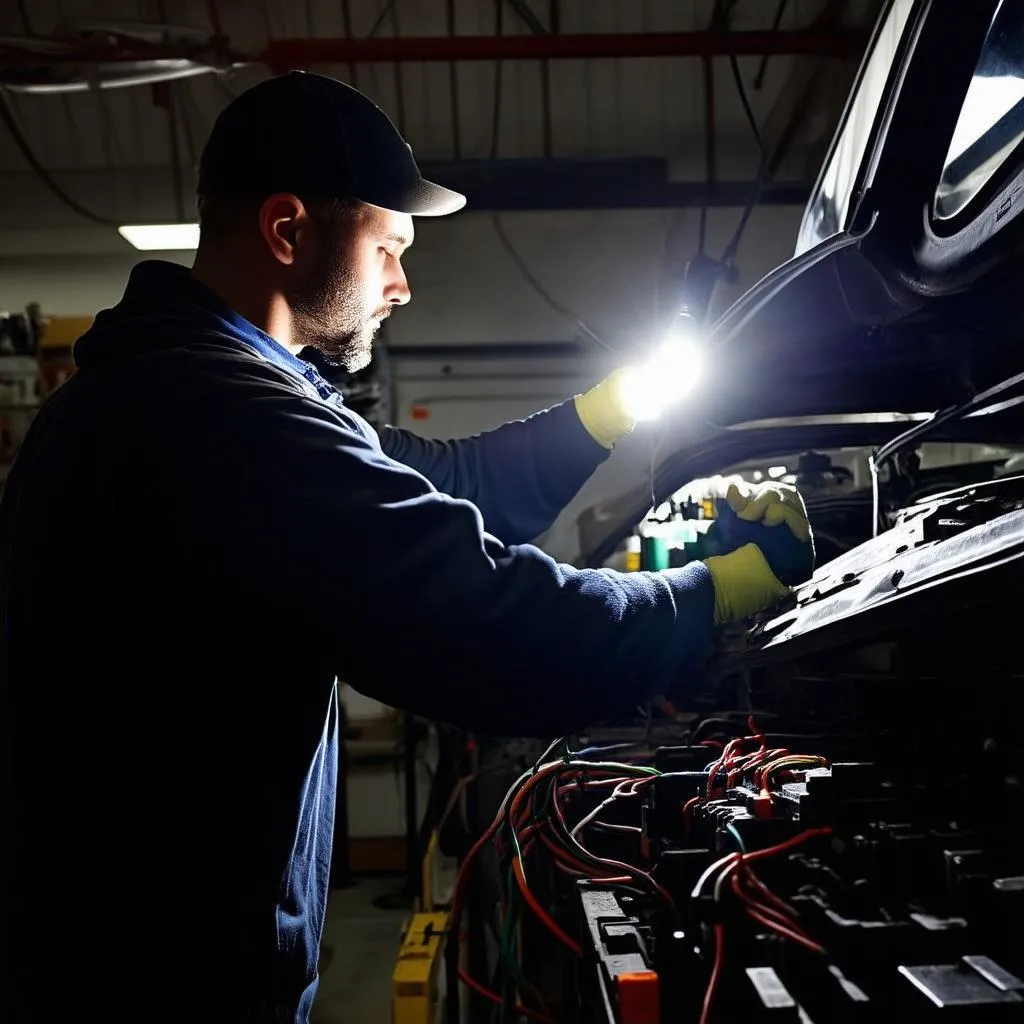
pixel 420 199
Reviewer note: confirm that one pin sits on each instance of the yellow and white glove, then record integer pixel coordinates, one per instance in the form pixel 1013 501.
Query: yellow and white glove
pixel 602 410
pixel 640 392
pixel 744 583
pixel 770 503
pixel 767 548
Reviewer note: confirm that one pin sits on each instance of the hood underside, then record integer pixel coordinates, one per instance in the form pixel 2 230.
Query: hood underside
pixel 959 549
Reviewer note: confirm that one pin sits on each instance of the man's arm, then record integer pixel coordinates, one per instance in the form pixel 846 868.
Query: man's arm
pixel 520 475
pixel 410 600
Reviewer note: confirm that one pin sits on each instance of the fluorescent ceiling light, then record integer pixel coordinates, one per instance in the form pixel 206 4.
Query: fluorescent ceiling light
pixel 165 237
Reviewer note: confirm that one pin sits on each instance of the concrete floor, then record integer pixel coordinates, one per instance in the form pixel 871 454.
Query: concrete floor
pixel 358 953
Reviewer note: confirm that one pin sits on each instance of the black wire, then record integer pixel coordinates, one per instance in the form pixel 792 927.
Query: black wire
pixel 705 723
pixel 776 22
pixel 654 466
pixel 177 179
pixel 532 281
pixel 919 430
pixel 399 76
pixel 737 77
pixel 730 250
pixel 499 28
pixel 385 11
pixel 25 20
pixel 499 227
pixel 7 117
pixel 552 747
pixel 532 22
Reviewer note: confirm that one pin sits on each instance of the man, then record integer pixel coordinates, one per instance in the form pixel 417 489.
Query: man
pixel 198 538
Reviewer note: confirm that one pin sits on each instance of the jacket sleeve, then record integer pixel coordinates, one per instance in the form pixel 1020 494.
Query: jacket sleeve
pixel 407 597
pixel 520 475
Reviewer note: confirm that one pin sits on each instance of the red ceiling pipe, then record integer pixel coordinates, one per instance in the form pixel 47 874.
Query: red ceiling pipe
pixel 281 54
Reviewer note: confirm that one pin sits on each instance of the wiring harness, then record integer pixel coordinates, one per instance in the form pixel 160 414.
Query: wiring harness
pixel 558 823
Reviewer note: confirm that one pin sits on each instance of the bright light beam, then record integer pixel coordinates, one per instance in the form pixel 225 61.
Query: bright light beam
pixel 661 381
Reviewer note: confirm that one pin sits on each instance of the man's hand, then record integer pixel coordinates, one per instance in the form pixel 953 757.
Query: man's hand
pixel 773 517
pixel 771 504
pixel 765 555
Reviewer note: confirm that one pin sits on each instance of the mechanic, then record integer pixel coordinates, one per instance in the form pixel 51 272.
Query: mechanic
pixel 199 538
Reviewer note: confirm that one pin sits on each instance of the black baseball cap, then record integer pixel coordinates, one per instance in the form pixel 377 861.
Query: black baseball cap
pixel 316 137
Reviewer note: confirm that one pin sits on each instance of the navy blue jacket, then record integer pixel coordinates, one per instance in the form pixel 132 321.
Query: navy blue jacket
pixel 197 538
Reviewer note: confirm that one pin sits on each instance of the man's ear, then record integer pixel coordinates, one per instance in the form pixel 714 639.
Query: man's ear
pixel 282 217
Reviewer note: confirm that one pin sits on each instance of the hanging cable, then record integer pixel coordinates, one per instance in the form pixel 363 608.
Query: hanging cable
pixel 399 75
pixel 384 12
pixel 177 179
pixel 7 117
pixel 499 227
pixel 731 249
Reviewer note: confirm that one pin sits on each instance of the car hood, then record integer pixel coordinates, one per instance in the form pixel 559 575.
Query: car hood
pixel 881 315
pixel 964 547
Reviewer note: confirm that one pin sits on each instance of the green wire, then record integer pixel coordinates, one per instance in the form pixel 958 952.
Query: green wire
pixel 735 833
pixel 512 968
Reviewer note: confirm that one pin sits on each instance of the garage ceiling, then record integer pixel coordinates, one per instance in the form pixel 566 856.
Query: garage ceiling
pixel 485 87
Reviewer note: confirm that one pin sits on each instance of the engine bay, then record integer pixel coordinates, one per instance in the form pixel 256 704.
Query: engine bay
pixel 821 826
pixel 853 851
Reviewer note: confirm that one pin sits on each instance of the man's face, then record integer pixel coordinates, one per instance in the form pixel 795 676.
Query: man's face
pixel 354 278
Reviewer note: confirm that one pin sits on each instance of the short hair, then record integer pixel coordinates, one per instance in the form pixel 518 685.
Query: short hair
pixel 223 214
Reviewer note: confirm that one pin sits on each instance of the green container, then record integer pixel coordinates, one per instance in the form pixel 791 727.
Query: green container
pixel 654 553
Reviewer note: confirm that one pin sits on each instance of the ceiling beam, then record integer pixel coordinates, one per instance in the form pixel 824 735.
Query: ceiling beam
pixel 282 54
pixel 610 184
pixel 298 53
pixel 143 194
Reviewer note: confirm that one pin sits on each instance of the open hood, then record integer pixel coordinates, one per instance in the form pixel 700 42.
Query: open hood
pixel 903 293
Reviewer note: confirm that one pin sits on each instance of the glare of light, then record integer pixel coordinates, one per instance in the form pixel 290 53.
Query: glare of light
pixel 758 476
pixel 162 237
pixel 668 375
pixel 777 472
pixel 988 100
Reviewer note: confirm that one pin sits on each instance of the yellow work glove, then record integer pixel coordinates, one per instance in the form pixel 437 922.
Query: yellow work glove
pixel 744 583
pixel 602 410
pixel 770 503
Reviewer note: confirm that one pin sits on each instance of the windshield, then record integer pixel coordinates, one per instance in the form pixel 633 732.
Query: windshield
pixel 991 123
pixel 829 205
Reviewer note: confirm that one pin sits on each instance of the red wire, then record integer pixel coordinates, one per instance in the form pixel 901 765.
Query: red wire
pixel 615 880
pixel 542 914
pixel 688 809
pixel 563 856
pixel 457 897
pixel 788 844
pixel 716 973
pixel 781 904
pixel 615 864
pixel 732 748
pixel 757 913
pixel 495 998
pixel 785 920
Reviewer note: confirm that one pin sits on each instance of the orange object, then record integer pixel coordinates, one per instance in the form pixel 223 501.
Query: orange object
pixel 761 804
pixel 420 412
pixel 639 998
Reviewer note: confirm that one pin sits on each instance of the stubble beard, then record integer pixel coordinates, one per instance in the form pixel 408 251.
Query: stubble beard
pixel 330 316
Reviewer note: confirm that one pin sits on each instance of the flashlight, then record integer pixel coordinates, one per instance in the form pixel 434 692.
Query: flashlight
pixel 667 375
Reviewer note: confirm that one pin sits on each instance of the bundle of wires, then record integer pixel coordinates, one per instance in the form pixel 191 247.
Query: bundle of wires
pixel 758 902
pixel 534 831
pixel 531 821
pixel 762 766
